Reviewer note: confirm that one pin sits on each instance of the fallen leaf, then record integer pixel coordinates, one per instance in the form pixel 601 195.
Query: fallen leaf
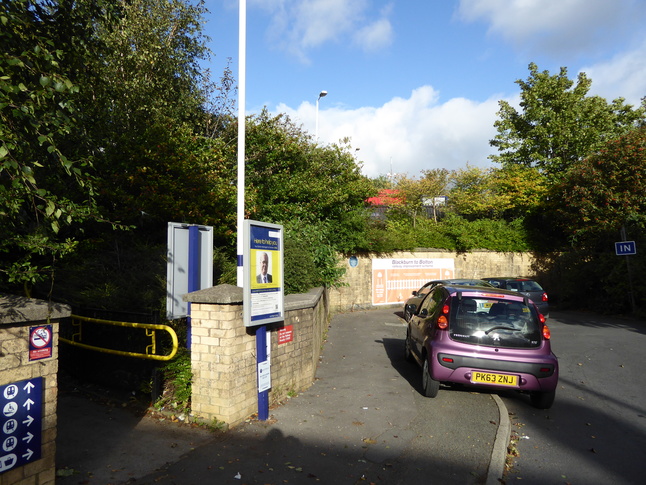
pixel 65 472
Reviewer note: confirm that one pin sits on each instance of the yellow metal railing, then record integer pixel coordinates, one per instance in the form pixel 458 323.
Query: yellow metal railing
pixel 150 328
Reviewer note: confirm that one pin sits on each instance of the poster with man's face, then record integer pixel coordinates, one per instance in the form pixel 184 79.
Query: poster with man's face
pixel 263 277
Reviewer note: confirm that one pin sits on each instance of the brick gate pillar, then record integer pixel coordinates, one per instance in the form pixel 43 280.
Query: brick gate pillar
pixel 28 364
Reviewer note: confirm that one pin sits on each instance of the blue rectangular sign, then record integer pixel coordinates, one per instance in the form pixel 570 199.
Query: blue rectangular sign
pixel 625 248
pixel 21 422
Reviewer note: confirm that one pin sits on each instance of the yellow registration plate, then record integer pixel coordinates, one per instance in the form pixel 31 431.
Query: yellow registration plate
pixel 497 379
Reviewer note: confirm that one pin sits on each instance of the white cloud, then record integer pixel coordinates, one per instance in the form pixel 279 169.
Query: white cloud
pixel 622 76
pixel 409 135
pixel 298 26
pixel 375 36
pixel 420 132
pixel 556 26
pixel 378 34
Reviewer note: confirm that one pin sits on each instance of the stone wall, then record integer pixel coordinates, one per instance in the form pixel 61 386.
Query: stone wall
pixel 17 317
pixel 223 352
pixel 356 291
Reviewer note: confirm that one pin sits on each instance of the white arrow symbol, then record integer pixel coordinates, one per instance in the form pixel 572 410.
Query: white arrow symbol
pixel 28 454
pixel 28 421
pixel 28 404
pixel 28 387
pixel 28 438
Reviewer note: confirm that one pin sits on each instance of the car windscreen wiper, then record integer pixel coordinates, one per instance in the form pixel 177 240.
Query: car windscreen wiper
pixel 500 327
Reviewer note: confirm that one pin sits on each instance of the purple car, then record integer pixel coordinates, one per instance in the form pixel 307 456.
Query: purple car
pixel 483 337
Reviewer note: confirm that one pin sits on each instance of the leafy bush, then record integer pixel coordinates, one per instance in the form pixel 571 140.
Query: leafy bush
pixel 300 269
pixel 225 266
pixel 310 258
pixel 492 234
pixel 176 395
pixel 451 233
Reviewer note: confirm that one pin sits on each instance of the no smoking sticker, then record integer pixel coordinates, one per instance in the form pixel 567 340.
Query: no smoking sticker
pixel 40 342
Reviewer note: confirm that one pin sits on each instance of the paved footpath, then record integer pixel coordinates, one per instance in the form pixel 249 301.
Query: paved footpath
pixel 364 420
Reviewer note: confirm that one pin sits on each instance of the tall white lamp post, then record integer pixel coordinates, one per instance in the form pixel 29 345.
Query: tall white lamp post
pixel 316 133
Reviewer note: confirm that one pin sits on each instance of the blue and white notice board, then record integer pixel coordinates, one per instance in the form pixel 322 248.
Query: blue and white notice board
pixel 263 273
pixel 21 423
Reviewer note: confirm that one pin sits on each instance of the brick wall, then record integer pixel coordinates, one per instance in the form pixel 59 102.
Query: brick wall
pixel 356 291
pixel 223 352
pixel 17 315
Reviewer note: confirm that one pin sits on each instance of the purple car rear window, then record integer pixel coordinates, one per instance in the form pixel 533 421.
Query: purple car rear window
pixel 494 322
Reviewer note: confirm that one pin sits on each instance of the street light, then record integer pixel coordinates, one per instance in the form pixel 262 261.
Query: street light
pixel 316 133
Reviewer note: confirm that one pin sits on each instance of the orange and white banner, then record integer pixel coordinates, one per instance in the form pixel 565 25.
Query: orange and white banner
pixel 393 280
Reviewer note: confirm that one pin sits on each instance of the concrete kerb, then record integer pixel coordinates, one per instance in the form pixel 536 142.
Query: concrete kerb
pixel 501 443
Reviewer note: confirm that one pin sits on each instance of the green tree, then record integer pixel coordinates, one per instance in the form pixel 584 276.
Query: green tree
pixel 475 194
pixel 498 193
pixel 144 96
pixel 418 194
pixel 520 190
pixel 382 182
pixel 44 188
pixel 606 191
pixel 558 123
pixel 138 125
pixel 599 201
pixel 288 177
pixel 317 192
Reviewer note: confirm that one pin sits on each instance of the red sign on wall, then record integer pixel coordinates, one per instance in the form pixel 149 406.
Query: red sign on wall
pixel 285 334
pixel 40 342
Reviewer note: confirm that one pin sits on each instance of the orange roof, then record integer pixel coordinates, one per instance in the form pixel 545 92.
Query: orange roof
pixel 386 197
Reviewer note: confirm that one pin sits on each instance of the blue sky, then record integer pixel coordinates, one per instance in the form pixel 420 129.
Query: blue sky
pixel 415 85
